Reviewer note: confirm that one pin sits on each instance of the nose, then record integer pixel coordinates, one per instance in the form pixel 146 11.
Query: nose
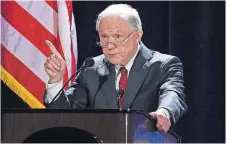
pixel 110 44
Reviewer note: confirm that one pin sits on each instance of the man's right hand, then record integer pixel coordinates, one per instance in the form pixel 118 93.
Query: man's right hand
pixel 54 66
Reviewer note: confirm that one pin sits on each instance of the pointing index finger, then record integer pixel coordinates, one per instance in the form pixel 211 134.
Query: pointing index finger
pixel 52 48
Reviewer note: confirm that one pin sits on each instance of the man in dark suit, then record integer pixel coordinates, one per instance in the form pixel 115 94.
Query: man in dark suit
pixel 149 80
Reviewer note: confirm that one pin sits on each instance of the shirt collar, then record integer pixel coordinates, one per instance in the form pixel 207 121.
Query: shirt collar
pixel 130 63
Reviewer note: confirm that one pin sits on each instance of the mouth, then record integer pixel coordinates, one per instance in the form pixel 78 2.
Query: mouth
pixel 112 55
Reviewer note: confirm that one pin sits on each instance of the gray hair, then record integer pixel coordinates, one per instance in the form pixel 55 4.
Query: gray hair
pixel 125 12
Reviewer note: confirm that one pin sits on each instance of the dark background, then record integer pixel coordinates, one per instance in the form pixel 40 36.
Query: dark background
pixel 193 31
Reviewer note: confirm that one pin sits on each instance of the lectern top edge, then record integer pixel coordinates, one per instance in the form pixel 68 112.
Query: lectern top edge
pixel 87 110
pixel 130 111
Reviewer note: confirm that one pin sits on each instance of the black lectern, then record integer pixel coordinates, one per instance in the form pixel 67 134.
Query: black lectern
pixel 82 126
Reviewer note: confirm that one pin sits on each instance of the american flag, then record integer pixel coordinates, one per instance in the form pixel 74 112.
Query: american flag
pixel 25 26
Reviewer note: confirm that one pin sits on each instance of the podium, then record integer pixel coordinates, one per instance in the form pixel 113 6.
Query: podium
pixel 82 126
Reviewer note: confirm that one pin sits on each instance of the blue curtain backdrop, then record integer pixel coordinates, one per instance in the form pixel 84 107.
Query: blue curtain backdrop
pixel 193 31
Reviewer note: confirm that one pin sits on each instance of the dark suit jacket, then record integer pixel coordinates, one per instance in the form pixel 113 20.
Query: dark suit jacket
pixel 155 81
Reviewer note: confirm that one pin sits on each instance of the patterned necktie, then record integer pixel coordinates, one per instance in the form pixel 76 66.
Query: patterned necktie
pixel 122 85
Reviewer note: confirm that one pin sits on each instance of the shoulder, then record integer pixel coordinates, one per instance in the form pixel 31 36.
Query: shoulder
pixel 157 57
pixel 162 61
pixel 164 58
pixel 167 62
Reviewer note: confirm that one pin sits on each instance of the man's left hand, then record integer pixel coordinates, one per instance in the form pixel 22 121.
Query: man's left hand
pixel 163 123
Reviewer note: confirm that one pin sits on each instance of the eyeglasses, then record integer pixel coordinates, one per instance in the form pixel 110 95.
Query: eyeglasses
pixel 118 40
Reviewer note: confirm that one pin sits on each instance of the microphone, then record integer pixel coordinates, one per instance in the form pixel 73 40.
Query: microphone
pixel 120 92
pixel 89 62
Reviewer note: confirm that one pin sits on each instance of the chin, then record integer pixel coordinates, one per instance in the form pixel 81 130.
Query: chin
pixel 115 61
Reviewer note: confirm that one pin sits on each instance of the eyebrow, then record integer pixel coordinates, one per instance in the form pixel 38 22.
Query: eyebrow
pixel 117 32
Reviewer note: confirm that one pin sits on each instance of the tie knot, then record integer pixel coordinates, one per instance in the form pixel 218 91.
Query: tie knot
pixel 123 70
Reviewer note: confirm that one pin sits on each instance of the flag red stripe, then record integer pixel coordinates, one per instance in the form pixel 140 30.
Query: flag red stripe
pixel 69 9
pixel 22 74
pixel 73 69
pixel 73 62
pixel 52 4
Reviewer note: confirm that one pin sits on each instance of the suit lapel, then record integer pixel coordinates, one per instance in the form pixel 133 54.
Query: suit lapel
pixel 137 75
pixel 107 74
pixel 110 91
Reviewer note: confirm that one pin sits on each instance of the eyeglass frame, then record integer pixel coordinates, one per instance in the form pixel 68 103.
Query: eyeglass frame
pixel 120 42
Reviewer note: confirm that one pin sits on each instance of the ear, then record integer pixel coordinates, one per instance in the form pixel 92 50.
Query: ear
pixel 139 35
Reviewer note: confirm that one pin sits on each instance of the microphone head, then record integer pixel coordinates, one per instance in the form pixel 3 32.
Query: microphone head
pixel 89 62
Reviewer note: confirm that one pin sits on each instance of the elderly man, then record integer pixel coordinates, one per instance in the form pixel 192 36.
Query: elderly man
pixel 149 80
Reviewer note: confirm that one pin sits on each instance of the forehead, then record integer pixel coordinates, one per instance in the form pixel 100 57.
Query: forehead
pixel 114 24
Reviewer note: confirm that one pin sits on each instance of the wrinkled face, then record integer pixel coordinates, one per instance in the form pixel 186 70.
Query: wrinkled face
pixel 118 40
